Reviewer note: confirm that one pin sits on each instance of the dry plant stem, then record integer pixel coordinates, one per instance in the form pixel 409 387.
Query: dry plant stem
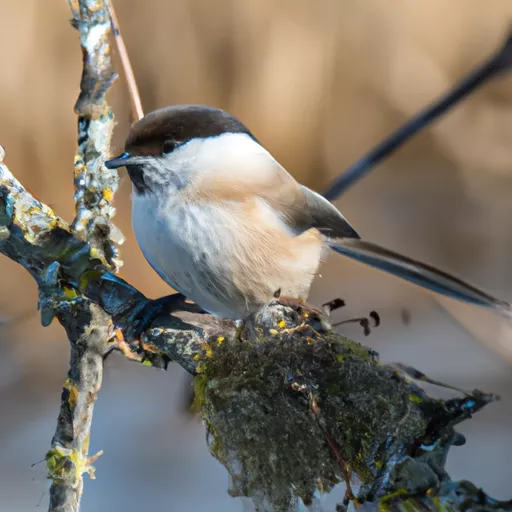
pixel 95 185
pixel 497 64
pixel 137 111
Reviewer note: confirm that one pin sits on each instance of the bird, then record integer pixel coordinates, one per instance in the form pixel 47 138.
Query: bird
pixel 222 222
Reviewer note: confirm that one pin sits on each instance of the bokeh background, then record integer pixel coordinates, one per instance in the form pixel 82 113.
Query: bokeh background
pixel 318 83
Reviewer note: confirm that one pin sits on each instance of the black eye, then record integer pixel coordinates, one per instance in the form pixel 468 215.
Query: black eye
pixel 168 146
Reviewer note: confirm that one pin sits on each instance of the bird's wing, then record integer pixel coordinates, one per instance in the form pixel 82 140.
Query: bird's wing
pixel 322 215
pixel 241 176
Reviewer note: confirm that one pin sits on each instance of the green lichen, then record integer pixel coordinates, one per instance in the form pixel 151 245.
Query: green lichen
pixel 386 502
pixel 415 398
pixel 68 464
pixel 87 277
pixel 200 384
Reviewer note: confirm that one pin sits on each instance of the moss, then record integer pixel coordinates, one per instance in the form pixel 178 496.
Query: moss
pixel 255 399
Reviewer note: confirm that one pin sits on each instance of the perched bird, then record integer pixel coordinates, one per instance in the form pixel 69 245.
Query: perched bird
pixel 222 222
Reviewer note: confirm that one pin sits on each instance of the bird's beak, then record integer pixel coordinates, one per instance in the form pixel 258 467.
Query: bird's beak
pixel 118 161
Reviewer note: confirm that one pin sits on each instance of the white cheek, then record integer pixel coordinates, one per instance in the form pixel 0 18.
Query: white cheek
pixel 226 150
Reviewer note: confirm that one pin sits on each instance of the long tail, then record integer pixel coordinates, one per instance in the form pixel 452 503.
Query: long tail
pixel 418 273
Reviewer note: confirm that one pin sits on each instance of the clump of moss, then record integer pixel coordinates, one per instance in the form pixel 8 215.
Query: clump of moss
pixel 298 412
pixel 293 408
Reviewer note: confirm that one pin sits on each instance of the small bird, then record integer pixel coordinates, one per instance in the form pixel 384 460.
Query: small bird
pixel 223 223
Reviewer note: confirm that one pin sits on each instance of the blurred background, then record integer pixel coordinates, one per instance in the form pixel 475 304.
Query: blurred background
pixel 319 83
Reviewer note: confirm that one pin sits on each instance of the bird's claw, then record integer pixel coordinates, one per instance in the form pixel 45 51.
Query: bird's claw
pixel 143 315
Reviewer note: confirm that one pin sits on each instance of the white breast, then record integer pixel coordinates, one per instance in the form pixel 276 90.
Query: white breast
pixel 189 247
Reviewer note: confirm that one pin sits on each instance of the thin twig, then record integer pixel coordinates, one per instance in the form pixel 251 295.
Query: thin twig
pixel 333 447
pixel 137 110
pixel 499 63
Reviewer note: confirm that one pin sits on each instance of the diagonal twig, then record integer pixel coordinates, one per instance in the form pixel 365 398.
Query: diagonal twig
pixel 497 64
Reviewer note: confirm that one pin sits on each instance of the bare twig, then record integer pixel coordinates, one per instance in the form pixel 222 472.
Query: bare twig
pixel 497 64
pixel 137 110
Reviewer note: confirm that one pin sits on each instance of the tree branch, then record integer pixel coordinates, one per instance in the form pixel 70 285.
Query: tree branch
pixel 95 185
pixel 88 327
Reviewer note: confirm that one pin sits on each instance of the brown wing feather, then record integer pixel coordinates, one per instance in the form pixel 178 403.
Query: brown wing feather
pixel 300 208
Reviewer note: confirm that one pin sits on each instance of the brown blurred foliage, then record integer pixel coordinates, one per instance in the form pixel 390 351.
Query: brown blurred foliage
pixel 318 82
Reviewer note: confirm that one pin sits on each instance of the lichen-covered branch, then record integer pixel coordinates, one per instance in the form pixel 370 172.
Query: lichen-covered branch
pixel 69 459
pixel 89 327
pixel 95 185
pixel 34 236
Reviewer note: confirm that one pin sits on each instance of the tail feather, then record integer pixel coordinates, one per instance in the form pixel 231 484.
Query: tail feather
pixel 418 273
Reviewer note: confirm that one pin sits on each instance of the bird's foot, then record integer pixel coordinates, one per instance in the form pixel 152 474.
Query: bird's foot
pixel 143 315
pixel 310 317
pixel 304 309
